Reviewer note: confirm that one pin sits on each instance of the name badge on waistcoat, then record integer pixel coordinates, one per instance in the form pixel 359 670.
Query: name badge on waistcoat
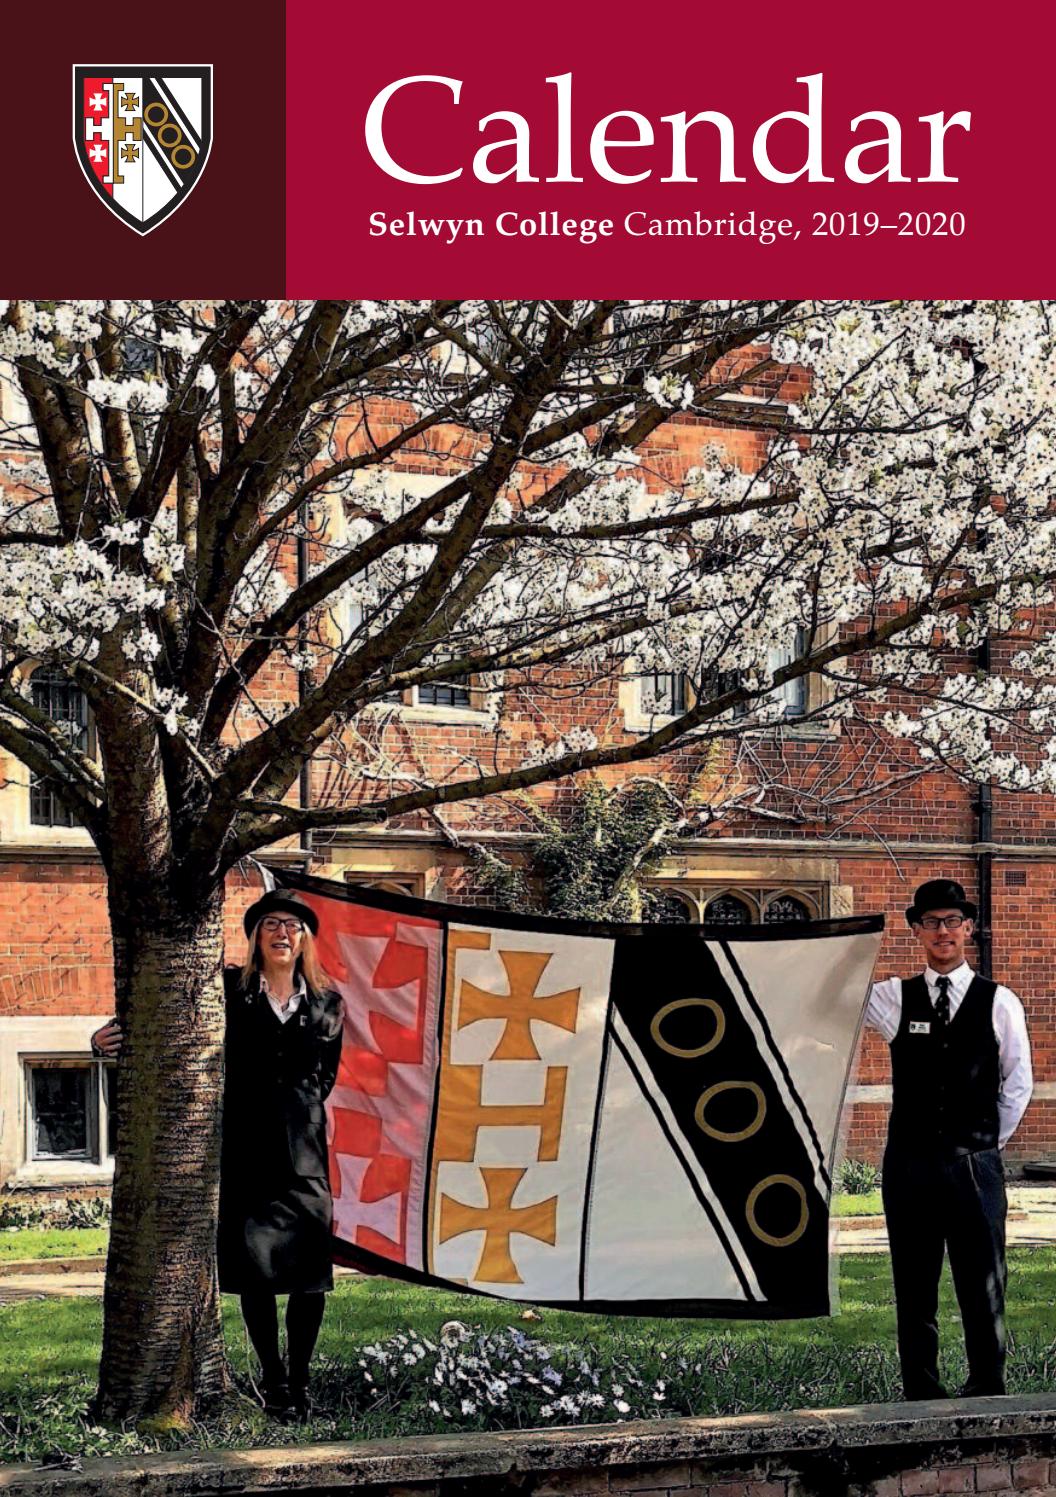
pixel 919 1026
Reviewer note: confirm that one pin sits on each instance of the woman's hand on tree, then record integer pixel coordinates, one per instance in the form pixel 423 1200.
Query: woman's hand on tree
pixel 107 1042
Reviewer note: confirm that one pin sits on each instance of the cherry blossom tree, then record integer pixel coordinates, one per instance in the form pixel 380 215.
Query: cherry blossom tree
pixel 196 496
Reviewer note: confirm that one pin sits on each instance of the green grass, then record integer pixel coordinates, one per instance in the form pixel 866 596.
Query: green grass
pixel 51 1349
pixel 868 1204
pixel 41 1243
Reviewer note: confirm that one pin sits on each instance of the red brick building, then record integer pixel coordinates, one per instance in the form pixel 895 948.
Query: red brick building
pixel 822 856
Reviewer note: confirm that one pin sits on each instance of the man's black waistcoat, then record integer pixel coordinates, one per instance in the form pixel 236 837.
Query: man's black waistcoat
pixel 945 1079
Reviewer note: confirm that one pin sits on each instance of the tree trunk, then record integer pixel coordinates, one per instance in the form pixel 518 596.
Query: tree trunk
pixel 163 1349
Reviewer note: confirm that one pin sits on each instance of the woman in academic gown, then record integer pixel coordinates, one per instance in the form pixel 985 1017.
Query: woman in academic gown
pixel 284 1027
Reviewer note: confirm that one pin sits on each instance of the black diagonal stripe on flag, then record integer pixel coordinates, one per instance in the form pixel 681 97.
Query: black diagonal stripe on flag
pixel 692 1033
pixel 180 157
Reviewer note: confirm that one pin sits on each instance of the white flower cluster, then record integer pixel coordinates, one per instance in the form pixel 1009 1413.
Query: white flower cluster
pixel 52 334
pixel 261 589
pixel 129 394
pixel 61 601
pixel 668 390
pixel 499 1379
pixel 575 741
pixel 918 463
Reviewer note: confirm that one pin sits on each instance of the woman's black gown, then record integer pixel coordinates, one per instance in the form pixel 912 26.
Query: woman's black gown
pixel 275 1204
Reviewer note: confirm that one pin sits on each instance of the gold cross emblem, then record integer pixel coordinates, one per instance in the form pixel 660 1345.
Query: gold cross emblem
pixel 499 1219
pixel 522 1004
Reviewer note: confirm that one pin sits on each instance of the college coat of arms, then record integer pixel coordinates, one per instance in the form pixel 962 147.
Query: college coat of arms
pixel 142 136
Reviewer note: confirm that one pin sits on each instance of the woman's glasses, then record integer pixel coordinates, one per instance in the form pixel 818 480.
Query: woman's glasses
pixel 934 922
pixel 271 924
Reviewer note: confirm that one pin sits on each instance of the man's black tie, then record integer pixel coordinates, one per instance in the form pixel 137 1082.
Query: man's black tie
pixel 942 1002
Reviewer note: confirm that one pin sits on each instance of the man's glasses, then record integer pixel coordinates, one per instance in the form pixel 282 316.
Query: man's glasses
pixel 936 922
pixel 271 925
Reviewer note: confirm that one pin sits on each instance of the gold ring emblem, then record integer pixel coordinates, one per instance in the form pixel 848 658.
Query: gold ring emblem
pixel 729 1086
pixel 804 1211
pixel 669 1008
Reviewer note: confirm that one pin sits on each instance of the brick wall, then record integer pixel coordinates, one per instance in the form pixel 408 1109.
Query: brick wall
pixel 55 952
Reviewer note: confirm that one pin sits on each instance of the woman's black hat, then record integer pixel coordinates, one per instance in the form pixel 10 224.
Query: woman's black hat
pixel 940 894
pixel 280 899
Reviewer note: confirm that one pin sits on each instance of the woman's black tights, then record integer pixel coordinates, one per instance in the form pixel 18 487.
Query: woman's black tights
pixel 304 1316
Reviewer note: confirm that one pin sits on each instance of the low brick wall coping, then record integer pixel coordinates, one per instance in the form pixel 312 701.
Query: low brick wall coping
pixel 919 1429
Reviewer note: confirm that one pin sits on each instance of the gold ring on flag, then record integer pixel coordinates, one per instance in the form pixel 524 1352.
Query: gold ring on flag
pixel 804 1211
pixel 677 1050
pixel 725 1086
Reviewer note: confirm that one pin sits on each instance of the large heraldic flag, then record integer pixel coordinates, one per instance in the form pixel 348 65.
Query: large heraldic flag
pixel 634 1119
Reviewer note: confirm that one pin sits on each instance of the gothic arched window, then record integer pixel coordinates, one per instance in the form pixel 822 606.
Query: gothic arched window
pixel 786 907
pixel 727 909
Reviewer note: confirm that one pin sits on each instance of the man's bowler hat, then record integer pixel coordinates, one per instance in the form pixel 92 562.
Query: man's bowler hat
pixel 280 899
pixel 939 894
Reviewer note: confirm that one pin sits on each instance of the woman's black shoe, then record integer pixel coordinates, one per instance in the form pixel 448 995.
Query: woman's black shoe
pixel 300 1410
pixel 276 1400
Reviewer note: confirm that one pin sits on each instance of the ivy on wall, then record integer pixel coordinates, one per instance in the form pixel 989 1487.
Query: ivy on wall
pixel 593 864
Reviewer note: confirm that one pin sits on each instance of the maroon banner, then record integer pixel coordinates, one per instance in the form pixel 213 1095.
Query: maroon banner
pixel 591 198
pixel 560 150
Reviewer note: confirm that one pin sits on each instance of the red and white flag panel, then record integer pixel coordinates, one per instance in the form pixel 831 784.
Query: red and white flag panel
pixel 636 1119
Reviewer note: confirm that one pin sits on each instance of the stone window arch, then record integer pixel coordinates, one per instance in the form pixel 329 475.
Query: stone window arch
pixel 729 908
pixel 785 906
pixel 669 907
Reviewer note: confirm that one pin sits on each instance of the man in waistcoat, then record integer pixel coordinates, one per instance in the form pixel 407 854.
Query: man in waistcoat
pixel 961 1080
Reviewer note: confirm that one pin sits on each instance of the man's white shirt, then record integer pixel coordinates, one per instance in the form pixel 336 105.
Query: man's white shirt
pixel 884 1012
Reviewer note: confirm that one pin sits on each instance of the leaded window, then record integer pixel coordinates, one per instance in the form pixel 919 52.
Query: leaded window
pixel 67 706
pixel 783 908
pixel 727 909
pixel 666 692
pixel 453 693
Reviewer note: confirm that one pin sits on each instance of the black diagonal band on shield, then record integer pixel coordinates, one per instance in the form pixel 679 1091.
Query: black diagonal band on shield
pixel 166 134
pixel 702 1056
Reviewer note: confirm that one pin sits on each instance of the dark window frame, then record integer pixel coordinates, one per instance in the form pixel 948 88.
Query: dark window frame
pixel 455 692
pixel 669 690
pixel 50 690
pixel 99 1109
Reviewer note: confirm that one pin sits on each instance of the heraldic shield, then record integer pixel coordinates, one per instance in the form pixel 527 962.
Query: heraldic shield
pixel 142 136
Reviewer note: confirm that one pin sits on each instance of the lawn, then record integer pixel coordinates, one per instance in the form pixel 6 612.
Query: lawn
pixel 867 1204
pixel 664 1367
pixel 46 1242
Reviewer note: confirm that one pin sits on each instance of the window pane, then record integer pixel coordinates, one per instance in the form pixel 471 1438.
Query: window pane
pixel 443 694
pixel 793 693
pixel 665 692
pixel 60 1112
pixel 110 1083
pixel 662 908
pixel 785 907
pixel 391 884
pixel 716 683
pixel 67 705
pixel 727 909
